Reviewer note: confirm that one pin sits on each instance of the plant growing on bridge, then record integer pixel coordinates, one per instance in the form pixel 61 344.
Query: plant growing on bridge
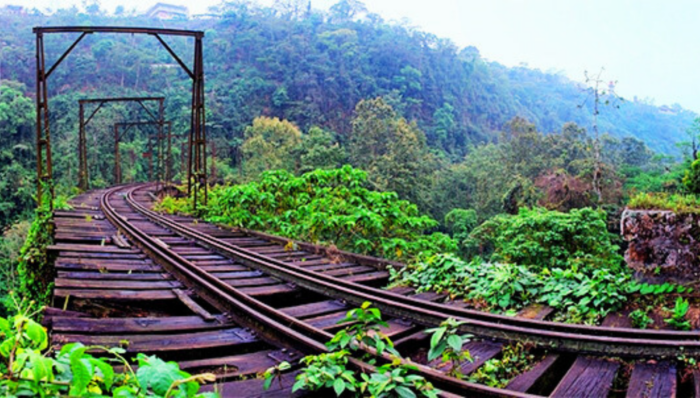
pixel 515 359
pixel 364 331
pixel 29 369
pixel 330 370
pixel 640 319
pixel 677 319
pixel 327 206
pixel 447 343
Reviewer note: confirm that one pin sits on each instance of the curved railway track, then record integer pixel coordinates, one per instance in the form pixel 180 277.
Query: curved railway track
pixel 250 302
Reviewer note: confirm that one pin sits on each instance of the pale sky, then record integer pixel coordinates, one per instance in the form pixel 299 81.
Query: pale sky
pixel 648 46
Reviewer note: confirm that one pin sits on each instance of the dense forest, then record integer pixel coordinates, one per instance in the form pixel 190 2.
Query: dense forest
pixel 301 65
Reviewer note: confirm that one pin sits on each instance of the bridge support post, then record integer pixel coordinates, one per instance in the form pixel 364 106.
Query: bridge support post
pixel 197 164
pixel 43 136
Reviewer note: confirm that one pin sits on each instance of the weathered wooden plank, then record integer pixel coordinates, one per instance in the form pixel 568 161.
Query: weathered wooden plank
pixel 193 305
pixel 165 342
pixel 653 380
pixel 262 291
pixel 480 351
pixel 107 266
pixel 116 284
pixel 314 309
pixel 524 381
pixel 253 388
pixel 147 276
pixel 248 282
pixel 245 364
pixel 90 249
pixel 68 324
pixel 131 295
pixel 588 377
pixel 368 277
pixel 536 311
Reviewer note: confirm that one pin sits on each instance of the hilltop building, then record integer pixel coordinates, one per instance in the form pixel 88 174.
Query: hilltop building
pixel 167 11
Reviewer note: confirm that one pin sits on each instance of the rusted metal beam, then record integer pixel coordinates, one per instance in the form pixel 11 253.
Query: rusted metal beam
pixel 65 54
pixel 163 143
pixel 117 29
pixel 83 173
pixel 172 53
pixel 197 165
pixel 197 173
pixel 118 99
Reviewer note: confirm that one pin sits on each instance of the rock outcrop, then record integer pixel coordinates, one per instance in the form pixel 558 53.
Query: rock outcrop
pixel 662 244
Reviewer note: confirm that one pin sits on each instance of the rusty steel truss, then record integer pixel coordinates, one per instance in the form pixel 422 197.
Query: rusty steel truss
pixel 197 163
pixel 163 147
pixel 83 174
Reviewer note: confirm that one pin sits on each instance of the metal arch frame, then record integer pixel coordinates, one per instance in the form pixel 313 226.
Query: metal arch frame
pixel 197 163
pixel 164 167
pixel 83 173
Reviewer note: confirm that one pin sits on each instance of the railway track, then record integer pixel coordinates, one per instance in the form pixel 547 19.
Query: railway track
pixel 237 302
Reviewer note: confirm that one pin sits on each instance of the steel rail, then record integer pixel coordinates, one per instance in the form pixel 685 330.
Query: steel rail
pixel 563 337
pixel 274 324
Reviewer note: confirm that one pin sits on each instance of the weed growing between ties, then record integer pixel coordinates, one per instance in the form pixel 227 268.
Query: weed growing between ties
pixel 363 339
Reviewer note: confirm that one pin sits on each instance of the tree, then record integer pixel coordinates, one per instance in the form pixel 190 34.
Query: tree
pixel 600 96
pixel 320 150
pixel 693 142
pixel 269 145
pixel 392 150
pixel 692 178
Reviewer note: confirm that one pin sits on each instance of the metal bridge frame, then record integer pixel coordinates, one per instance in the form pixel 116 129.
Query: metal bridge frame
pixel 197 163
pixel 163 143
pixel 83 175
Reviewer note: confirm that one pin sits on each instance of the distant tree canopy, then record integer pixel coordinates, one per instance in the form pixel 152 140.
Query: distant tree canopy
pixel 296 88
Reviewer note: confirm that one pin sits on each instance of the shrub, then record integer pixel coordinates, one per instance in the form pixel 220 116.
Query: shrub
pixel 662 201
pixel 33 269
pixel 540 238
pixel 692 178
pixel 29 368
pixel 326 206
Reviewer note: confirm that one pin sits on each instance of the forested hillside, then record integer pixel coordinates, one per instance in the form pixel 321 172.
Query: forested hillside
pixel 312 69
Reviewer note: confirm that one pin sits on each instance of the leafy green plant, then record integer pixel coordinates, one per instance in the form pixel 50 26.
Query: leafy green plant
pixel 662 201
pixel 325 371
pixel 497 372
pixel 395 380
pixel 677 319
pixel 33 269
pixel 640 319
pixel 274 372
pixel 28 369
pixel 364 331
pixel 446 342
pixel 691 180
pixel 540 238
pixel 330 371
pixel 327 206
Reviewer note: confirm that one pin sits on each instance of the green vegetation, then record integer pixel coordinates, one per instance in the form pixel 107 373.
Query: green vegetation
pixel 447 344
pixel 498 372
pixel 677 319
pixel 640 319
pixel 692 178
pixel 30 369
pixel 327 206
pixel 330 370
pixel 35 273
pixel 542 239
pixel 662 201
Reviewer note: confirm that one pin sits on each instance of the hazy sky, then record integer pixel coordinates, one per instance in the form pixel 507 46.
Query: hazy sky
pixel 648 46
